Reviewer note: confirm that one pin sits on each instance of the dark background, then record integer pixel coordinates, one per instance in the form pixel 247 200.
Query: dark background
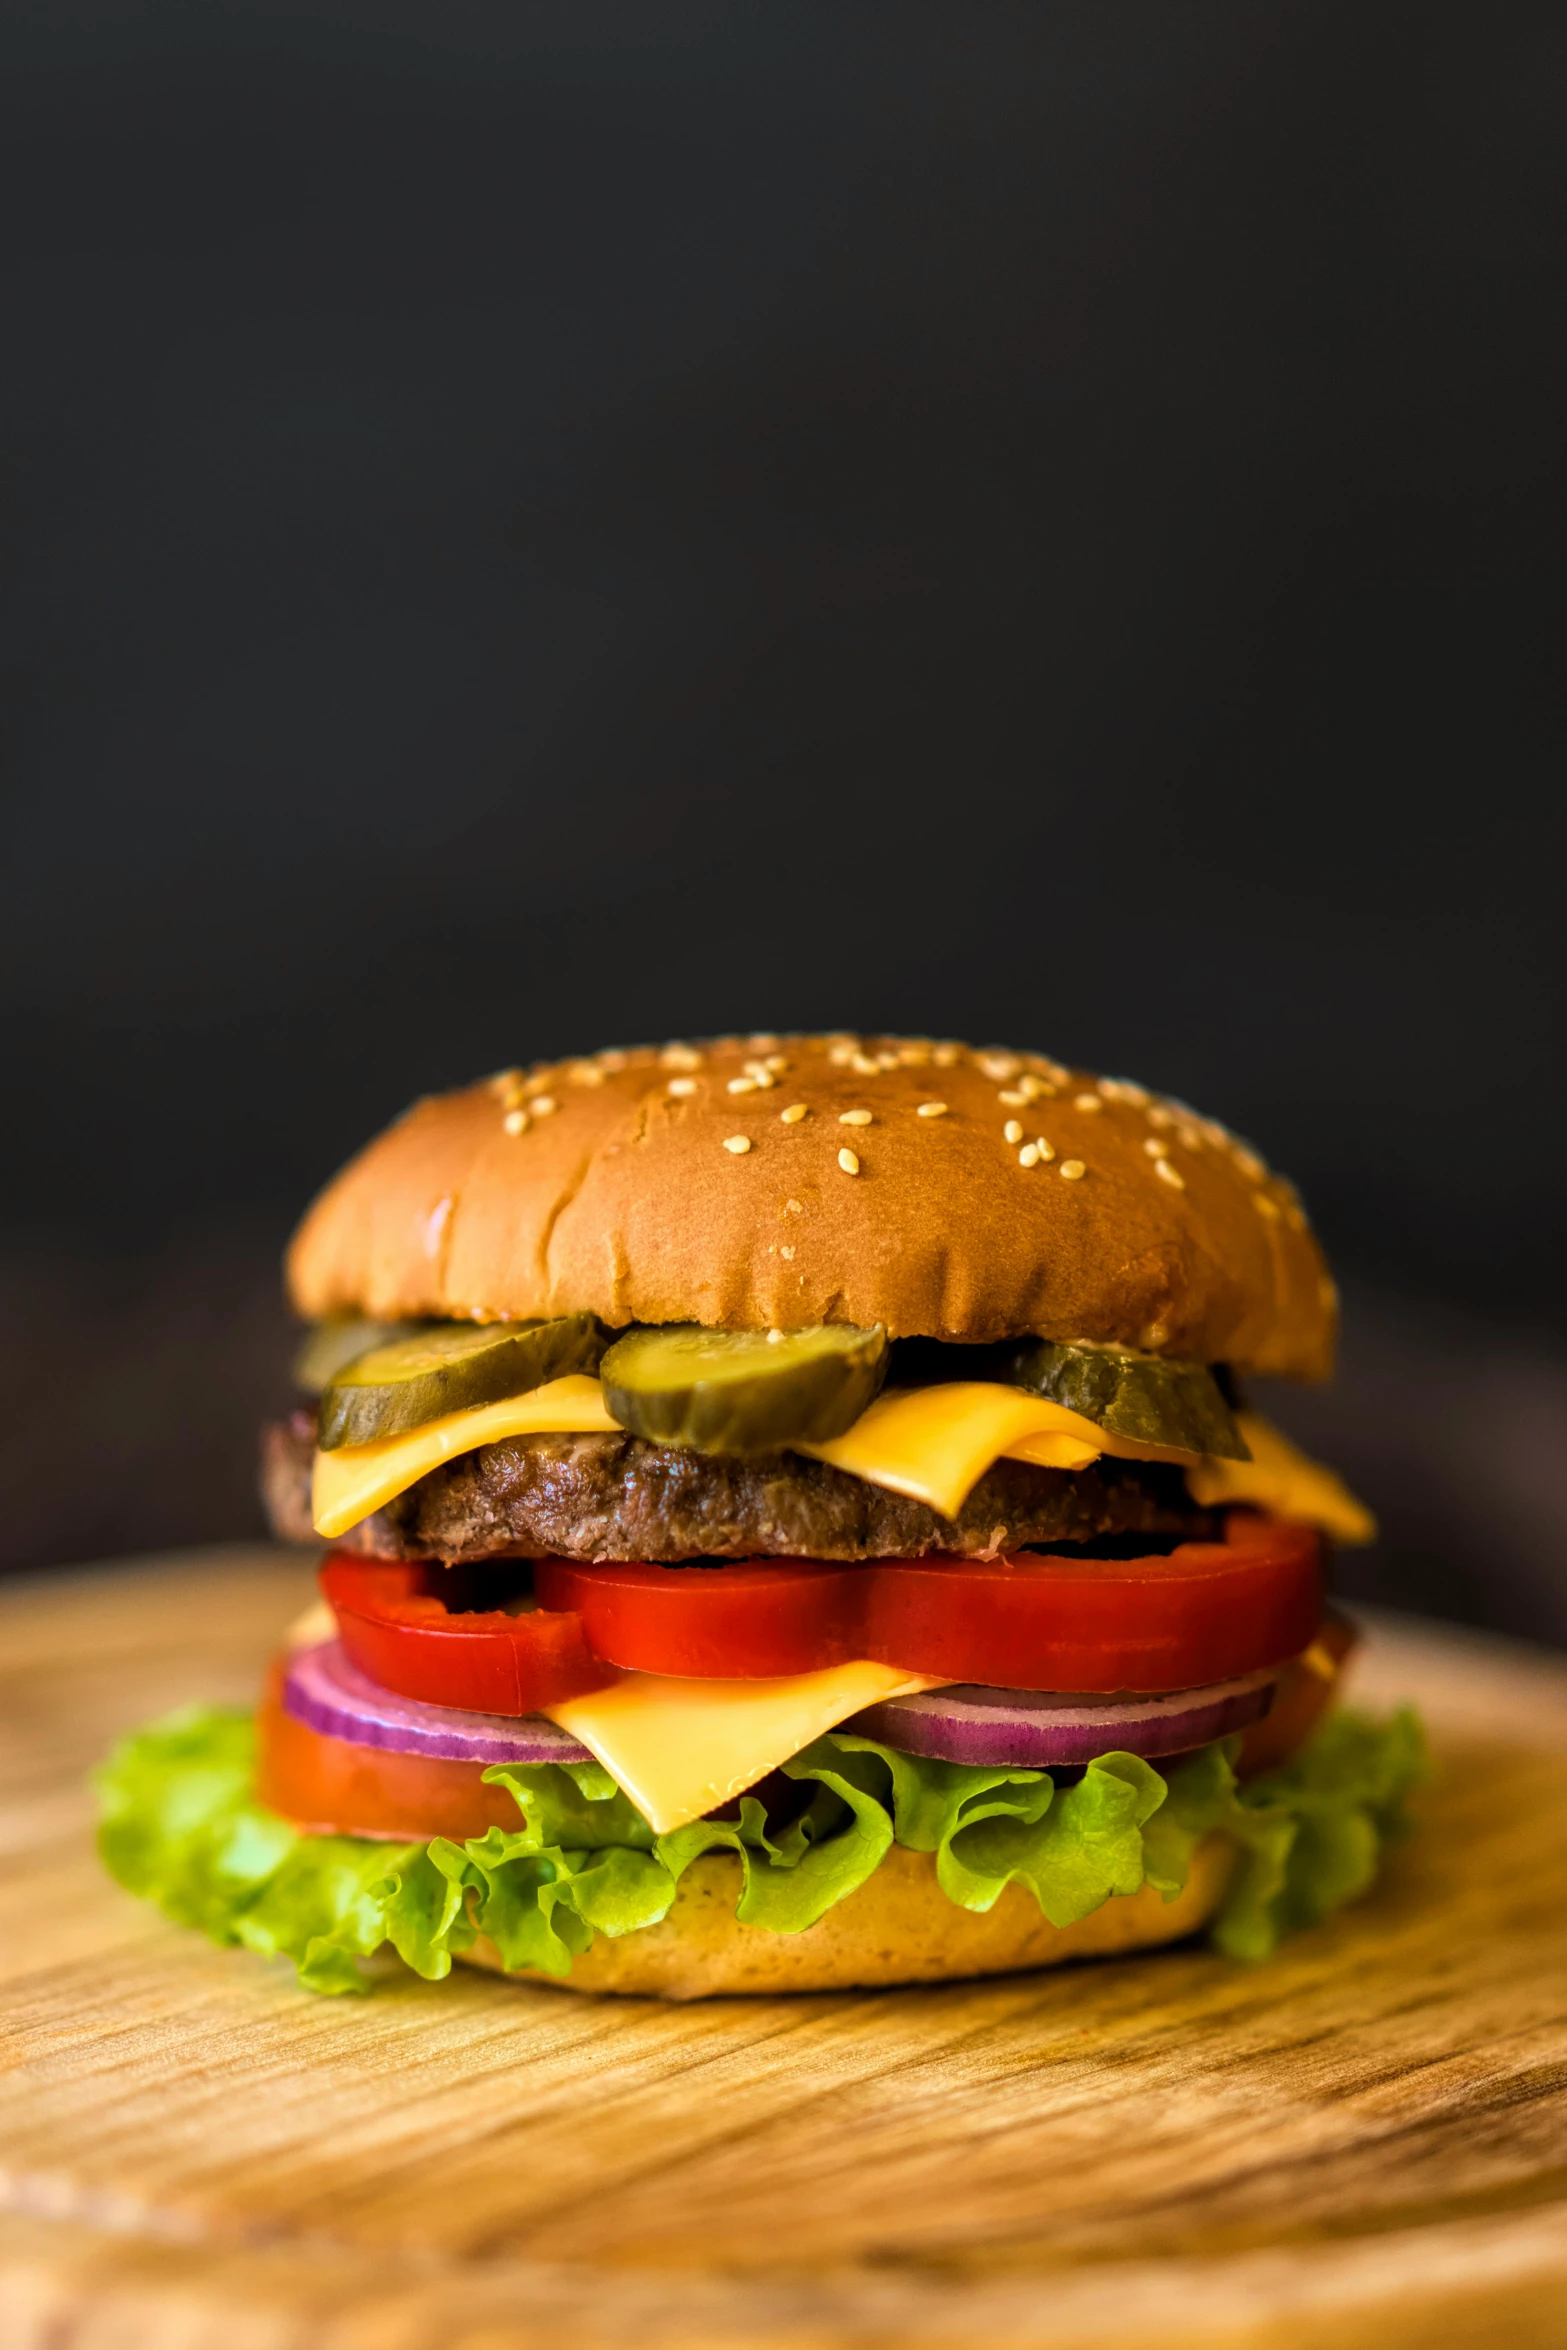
pixel 527 528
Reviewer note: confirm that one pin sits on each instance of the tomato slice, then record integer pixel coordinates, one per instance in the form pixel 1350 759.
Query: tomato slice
pixel 1204 1612
pixel 400 1633
pixel 725 1622
pixel 331 1787
pixel 1306 1688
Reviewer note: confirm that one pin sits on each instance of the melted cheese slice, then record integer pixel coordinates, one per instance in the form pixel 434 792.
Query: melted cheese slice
pixel 348 1484
pixel 682 1747
pixel 935 1443
pixel 1281 1478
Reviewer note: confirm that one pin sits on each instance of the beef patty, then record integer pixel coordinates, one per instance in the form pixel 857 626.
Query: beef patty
pixel 616 1497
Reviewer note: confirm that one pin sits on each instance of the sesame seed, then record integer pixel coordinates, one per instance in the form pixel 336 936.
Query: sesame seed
pixel 913 1056
pixel 738 1143
pixel 776 1063
pixel 1013 1096
pixel 614 1061
pixel 1248 1162
pixel 1169 1174
pixel 679 1056
pixel 946 1056
pixel 848 1162
pixel 763 1038
pixel 1072 1170
pixel 585 1073
pixel 1154 1147
pixel 1046 1150
pixel 792 1207
pixel 1028 1156
pixel 1001 1066
pixel 794 1113
pixel 760 1072
pixel 505 1081
pixel 1158 1115
pixel 863 1064
pixel 775 1338
pixel 1013 1130
pixel 787 1252
pixel 841 1054
pixel 1189 1138
pixel 741 1085
pixel 854 1118
pixel 516 1121
pixel 1087 1101
pixel 543 1105
pixel 680 1087
pixel 1213 1132
pixel 1264 1204
pixel 931 1110
pixel 886 1060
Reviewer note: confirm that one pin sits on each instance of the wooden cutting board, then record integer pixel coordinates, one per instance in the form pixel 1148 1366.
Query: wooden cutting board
pixel 1363 2143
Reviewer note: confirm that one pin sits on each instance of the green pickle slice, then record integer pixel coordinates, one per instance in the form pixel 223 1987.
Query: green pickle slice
pixel 449 1367
pixel 1148 1398
pixel 742 1391
pixel 331 1346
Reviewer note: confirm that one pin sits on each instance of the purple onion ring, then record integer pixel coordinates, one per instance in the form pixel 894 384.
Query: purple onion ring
pixel 327 1693
pixel 968 1724
pixel 962 1724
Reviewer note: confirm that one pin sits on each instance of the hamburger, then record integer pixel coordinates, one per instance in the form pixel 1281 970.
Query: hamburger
pixel 793 1520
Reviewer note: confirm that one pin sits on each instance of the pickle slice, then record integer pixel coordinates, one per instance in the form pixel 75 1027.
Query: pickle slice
pixel 1145 1397
pixel 331 1346
pixel 742 1391
pixel 448 1366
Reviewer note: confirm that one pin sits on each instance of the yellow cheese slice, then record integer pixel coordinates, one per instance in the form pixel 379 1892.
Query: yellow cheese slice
pixel 1281 1478
pixel 358 1478
pixel 682 1747
pixel 935 1443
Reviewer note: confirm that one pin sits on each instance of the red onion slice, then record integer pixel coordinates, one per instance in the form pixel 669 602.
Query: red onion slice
pixel 963 1724
pixel 327 1693
pixel 968 1724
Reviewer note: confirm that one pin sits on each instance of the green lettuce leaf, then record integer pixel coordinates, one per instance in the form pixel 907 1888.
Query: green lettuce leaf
pixel 1311 1833
pixel 181 1826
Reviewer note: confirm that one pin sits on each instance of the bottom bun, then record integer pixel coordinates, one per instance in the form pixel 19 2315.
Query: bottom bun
pixel 898 1927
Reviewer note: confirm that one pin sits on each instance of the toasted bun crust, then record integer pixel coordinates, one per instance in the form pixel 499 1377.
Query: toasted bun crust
pixel 899 1927
pixel 606 1185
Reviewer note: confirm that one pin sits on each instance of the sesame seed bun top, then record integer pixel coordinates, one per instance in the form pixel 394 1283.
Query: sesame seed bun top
pixel 773 1182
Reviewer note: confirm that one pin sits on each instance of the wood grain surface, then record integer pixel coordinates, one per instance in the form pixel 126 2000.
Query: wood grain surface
pixel 1364 2142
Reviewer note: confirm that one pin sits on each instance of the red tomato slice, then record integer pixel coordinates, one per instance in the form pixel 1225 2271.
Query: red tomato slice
pixel 1204 1612
pixel 333 1788
pixel 1201 1613
pixel 400 1633
pixel 725 1622
pixel 1307 1687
